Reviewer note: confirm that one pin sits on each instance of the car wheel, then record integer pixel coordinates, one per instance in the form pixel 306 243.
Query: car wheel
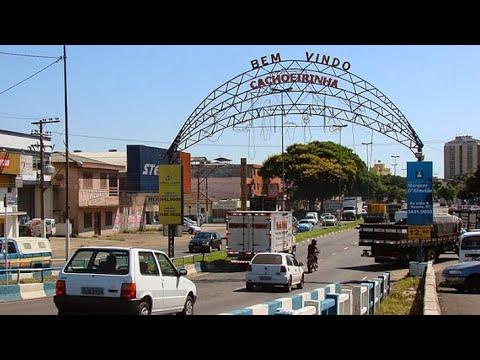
pixel 143 308
pixel 188 307
pixel 472 285
pixel 288 287
pixel 302 282
pixel 190 231
pixel 249 286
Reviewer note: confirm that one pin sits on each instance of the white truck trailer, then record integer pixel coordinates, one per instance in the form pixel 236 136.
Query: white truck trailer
pixel 251 232
pixel 352 207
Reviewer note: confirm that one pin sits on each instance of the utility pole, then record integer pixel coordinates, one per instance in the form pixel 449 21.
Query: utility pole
pixel 42 135
pixel 198 195
pixel 395 164
pixel 281 91
pixel 368 167
pixel 67 206
pixel 340 127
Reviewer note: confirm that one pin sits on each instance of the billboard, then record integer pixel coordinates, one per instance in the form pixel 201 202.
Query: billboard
pixel 170 194
pixel 419 193
pixel 142 168
pixel 9 163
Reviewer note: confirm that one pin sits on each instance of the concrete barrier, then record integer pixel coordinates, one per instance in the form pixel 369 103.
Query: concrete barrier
pixel 431 305
pixel 26 291
pixel 417 269
pixel 347 306
pixel 307 310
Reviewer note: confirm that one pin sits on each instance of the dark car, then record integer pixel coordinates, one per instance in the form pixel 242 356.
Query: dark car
pixel 464 276
pixel 205 241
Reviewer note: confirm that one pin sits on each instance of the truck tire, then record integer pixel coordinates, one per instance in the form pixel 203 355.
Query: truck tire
pixel 472 284
pixel 249 286
pixel 430 254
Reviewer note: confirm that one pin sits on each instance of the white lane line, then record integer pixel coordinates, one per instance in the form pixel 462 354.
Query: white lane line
pixel 364 278
pixel 320 260
pixel 334 254
pixel 345 248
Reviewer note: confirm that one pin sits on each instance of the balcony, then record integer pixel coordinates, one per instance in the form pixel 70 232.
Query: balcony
pixel 97 197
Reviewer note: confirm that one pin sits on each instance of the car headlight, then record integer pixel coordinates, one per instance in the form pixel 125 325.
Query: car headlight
pixel 454 272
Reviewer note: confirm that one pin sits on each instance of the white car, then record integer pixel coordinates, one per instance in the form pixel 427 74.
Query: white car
pixel 330 220
pixel 123 280
pixel 191 227
pixel 274 269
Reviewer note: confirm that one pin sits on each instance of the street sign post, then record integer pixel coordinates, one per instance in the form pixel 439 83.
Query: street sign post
pixel 419 201
pixel 170 200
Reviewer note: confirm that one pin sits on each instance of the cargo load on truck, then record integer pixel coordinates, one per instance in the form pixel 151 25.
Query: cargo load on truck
pixel 251 232
pixel 391 242
pixel 376 214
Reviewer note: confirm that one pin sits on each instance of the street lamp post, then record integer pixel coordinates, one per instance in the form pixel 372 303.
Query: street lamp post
pixel 367 144
pixel 395 157
pixel 340 127
pixel 281 91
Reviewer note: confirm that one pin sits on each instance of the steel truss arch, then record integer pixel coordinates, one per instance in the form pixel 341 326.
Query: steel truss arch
pixel 354 100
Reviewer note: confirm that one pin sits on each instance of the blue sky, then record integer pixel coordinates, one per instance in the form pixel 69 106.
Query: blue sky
pixel 146 93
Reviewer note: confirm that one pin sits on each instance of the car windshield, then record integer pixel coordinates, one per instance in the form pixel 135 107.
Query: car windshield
pixel 203 235
pixel 267 259
pixel 349 208
pixel 99 261
pixel 304 222
pixel 471 243
pixel 330 217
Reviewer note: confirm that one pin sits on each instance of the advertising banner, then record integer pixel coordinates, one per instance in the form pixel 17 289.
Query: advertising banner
pixel 419 193
pixel 170 194
pixel 9 163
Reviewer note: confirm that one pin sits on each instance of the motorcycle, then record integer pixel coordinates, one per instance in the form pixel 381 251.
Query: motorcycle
pixel 311 263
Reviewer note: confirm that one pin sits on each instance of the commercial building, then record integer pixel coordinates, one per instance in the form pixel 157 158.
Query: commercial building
pixel 461 156
pixel 20 177
pixel 93 188
pixel 380 169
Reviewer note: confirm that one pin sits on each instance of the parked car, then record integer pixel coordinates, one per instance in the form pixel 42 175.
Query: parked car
pixel 313 216
pixel 27 252
pixel 310 220
pixel 123 280
pixel 304 225
pixel 330 220
pixel 274 269
pixel 205 241
pixel 194 218
pixel 464 276
pixel 191 227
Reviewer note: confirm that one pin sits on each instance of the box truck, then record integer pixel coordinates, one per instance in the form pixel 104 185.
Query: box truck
pixel 251 232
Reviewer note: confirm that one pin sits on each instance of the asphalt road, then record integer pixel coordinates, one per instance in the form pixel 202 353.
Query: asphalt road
pixel 339 260
pixel 452 302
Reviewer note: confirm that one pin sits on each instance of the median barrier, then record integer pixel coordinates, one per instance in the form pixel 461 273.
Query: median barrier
pixel 371 296
pixel 431 306
pixel 307 310
pixel 417 268
pixel 26 291
pixel 347 306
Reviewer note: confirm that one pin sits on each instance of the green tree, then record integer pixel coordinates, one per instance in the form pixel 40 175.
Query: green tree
pixel 471 187
pixel 315 170
pixel 447 192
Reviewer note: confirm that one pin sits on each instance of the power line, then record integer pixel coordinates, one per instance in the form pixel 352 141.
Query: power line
pixel 28 55
pixel 31 76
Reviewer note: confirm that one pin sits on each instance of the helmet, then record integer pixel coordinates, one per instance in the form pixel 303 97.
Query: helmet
pixel 314 242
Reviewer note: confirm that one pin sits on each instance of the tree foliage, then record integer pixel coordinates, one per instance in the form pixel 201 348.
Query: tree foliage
pixel 471 187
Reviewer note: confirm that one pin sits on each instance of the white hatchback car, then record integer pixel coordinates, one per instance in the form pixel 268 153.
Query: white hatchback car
pixel 274 269
pixel 123 280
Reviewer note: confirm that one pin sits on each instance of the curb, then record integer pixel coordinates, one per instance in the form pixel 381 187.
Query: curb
pixel 10 293
pixel 321 236
pixel 431 305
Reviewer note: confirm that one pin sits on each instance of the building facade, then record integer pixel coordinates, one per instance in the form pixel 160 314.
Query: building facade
pixel 461 156
pixel 20 177
pixel 380 169
pixel 93 194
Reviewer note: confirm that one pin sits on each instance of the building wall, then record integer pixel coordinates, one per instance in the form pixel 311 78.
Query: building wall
pixel 461 156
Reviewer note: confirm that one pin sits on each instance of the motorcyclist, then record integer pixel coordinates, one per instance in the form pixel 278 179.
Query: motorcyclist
pixel 313 250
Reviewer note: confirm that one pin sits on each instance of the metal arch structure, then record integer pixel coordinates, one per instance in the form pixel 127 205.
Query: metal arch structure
pixel 353 100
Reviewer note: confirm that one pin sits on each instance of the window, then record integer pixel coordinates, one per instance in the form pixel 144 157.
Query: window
pixel 111 262
pixel 165 265
pixel 148 266
pixel 289 261
pixel 295 262
pixel 471 243
pixel 267 259
pixel 41 245
pixel 103 181
pixel 87 180
pixel 27 246
pixel 87 220
pixel 108 218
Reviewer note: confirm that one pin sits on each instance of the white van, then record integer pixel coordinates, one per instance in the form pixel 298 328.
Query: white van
pixel 469 247
pixel 26 253
pixel 312 215
pixel 123 280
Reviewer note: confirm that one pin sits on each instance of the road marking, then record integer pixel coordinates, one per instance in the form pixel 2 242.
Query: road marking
pixel 364 278
pixel 345 248
pixel 354 243
pixel 334 254
pixel 320 260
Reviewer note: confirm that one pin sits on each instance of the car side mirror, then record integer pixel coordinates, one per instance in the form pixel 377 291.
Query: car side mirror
pixel 300 264
pixel 182 272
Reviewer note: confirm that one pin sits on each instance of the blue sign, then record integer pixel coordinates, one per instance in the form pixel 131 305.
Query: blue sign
pixel 419 193
pixel 142 167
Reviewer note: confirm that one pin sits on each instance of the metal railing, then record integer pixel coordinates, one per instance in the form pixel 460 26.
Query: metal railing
pixel 193 256
pixel 6 272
